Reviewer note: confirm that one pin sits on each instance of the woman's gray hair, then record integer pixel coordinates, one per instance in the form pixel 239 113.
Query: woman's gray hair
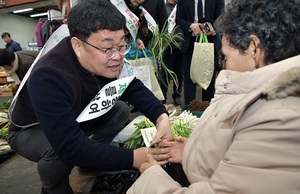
pixel 275 22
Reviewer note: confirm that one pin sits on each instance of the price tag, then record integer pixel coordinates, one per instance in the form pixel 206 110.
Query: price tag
pixel 148 135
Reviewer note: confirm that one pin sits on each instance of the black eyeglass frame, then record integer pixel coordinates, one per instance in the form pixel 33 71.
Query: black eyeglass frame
pixel 104 51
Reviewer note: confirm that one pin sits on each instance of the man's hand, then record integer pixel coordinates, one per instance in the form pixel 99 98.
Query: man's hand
pixel 139 157
pixel 150 162
pixel 195 27
pixel 160 154
pixel 211 32
pixel 164 131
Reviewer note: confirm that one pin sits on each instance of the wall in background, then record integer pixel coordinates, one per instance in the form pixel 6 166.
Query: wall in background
pixel 21 29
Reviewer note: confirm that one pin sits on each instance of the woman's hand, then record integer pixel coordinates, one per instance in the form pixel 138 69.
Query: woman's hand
pixel 176 149
pixel 160 154
pixel 164 131
pixel 139 44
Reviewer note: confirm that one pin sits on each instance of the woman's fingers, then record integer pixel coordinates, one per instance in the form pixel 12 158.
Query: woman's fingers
pixel 166 144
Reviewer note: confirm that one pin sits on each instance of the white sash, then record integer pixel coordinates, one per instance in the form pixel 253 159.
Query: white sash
pixel 151 22
pixel 53 40
pixel 108 95
pixel 171 19
pixel 104 99
pixel 131 19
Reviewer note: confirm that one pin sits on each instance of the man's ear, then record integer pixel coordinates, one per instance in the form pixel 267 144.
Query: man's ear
pixel 77 46
pixel 256 52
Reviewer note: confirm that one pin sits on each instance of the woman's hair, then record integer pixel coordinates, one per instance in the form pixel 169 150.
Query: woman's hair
pixel 89 16
pixel 275 22
pixel 6 57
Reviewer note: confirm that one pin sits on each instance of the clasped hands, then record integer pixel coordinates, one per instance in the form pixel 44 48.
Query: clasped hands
pixel 197 30
pixel 168 151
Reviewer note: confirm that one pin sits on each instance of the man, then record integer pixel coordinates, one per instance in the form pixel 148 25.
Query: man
pixel 62 83
pixel 10 43
pixel 190 18
pixel 16 64
pixel 173 61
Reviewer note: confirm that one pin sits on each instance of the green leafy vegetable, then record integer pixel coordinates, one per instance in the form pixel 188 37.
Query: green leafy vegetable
pixel 5 122
pixel 160 41
pixel 136 139
pixel 181 125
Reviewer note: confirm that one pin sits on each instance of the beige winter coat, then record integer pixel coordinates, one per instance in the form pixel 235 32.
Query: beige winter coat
pixel 247 141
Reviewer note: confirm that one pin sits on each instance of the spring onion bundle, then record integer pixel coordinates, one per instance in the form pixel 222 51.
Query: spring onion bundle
pixel 181 125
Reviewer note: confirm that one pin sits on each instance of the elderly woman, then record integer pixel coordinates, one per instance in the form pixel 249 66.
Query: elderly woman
pixel 248 139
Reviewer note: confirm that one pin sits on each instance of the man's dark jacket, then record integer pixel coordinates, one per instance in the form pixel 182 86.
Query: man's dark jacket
pixel 185 17
pixel 57 91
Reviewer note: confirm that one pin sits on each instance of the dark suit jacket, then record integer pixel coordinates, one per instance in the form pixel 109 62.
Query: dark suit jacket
pixel 185 17
pixel 157 9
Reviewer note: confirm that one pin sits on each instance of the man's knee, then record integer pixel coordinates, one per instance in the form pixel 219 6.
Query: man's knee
pixel 123 109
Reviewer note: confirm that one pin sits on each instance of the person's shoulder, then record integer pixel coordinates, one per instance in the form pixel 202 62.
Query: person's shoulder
pixel 14 42
pixel 16 46
pixel 27 52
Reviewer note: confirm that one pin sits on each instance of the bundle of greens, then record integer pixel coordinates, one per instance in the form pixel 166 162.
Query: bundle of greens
pixel 4 105
pixel 182 125
pixel 4 121
pixel 136 139
pixel 160 41
pixel 4 129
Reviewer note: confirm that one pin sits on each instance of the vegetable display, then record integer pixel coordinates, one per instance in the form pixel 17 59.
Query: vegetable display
pixel 182 125
pixel 4 121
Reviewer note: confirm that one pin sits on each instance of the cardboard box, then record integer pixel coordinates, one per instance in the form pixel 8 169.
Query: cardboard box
pixel 8 91
pixel 3 80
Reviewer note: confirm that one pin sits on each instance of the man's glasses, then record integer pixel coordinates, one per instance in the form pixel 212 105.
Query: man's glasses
pixel 111 52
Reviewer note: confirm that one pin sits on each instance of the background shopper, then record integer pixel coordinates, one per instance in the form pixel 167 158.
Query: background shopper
pixel 16 64
pixel 173 60
pixel 10 43
pixel 190 18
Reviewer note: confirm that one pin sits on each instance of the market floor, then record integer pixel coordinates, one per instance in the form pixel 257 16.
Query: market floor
pixel 19 175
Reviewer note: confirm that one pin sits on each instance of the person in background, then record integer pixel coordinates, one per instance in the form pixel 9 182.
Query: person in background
pixel 38 32
pixel 173 61
pixel 62 83
pixel 16 64
pixel 10 43
pixel 54 25
pixel 247 140
pixel 157 9
pixel 190 16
